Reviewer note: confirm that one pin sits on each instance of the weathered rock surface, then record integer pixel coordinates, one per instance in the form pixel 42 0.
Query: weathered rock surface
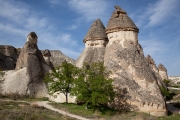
pixel 162 71
pixel 57 57
pixel 95 43
pixel 27 79
pixel 156 71
pixel 174 79
pixel 132 75
pixel 8 57
pixel 47 55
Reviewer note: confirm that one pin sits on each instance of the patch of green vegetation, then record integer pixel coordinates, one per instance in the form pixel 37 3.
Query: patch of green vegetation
pixel 10 110
pixel 170 117
pixel 109 114
pixel 23 98
pixel 35 99
pixel 2 73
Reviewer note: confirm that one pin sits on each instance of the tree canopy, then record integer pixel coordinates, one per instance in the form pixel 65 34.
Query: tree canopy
pixel 93 85
pixel 61 79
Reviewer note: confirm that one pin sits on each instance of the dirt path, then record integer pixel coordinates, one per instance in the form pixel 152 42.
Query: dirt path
pixel 46 105
pixel 50 107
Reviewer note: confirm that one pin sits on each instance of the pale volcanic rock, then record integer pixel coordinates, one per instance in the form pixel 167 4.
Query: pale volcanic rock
pixel 95 43
pixel 162 72
pixel 156 71
pixel 131 72
pixel 27 79
pixel 57 57
pixel 47 55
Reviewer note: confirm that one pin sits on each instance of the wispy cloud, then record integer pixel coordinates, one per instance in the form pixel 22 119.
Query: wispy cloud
pixel 158 13
pixel 162 10
pixel 90 9
pixel 19 19
pixel 153 47
pixel 53 1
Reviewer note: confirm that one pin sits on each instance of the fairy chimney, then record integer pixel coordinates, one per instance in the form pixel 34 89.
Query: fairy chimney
pixel 47 55
pixel 131 72
pixel 163 72
pixel 27 79
pixel 156 71
pixel 95 43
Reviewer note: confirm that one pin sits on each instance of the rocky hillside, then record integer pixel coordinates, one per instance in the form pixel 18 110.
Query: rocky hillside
pixel 57 57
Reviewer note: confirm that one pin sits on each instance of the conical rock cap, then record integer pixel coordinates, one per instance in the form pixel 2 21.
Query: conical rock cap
pixel 96 31
pixel 120 21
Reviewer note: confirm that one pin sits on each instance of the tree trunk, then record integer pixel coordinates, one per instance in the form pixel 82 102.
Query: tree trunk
pixel 67 97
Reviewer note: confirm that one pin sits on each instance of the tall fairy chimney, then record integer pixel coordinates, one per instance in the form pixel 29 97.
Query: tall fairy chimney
pixel 95 43
pixel 132 75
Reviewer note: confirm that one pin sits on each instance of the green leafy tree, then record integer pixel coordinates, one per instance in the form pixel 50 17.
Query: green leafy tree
pixel 61 79
pixel 93 86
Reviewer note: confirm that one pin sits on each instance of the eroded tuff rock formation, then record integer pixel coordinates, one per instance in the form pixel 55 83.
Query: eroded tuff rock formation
pixel 8 57
pixel 162 72
pixel 132 74
pixel 57 57
pixel 47 55
pixel 95 43
pixel 156 71
pixel 27 79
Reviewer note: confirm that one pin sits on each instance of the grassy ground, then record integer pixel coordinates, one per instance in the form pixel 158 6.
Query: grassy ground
pixel 24 111
pixel 108 114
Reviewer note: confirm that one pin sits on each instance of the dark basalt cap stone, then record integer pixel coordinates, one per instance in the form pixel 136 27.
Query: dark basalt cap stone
pixel 96 32
pixel 33 35
pixel 120 21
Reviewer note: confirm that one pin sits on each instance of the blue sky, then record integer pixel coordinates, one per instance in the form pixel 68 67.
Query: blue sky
pixel 62 25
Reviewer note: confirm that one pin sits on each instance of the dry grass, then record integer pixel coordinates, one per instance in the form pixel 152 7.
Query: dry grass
pixel 10 110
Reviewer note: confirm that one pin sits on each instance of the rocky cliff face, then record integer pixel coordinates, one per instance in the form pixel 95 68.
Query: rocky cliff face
pixel 27 79
pixel 95 43
pixel 130 69
pixel 8 57
pixel 57 57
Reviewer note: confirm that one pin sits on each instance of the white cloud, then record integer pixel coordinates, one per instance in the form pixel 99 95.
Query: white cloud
pixel 90 9
pixel 162 10
pixel 67 38
pixel 152 47
pixel 12 30
pixel 19 19
pixel 157 13
pixel 13 12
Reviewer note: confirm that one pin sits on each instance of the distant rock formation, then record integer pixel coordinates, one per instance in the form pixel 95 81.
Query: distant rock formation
pixel 95 43
pixel 57 57
pixel 8 57
pixel 162 72
pixel 131 72
pixel 156 71
pixel 47 55
pixel 27 79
